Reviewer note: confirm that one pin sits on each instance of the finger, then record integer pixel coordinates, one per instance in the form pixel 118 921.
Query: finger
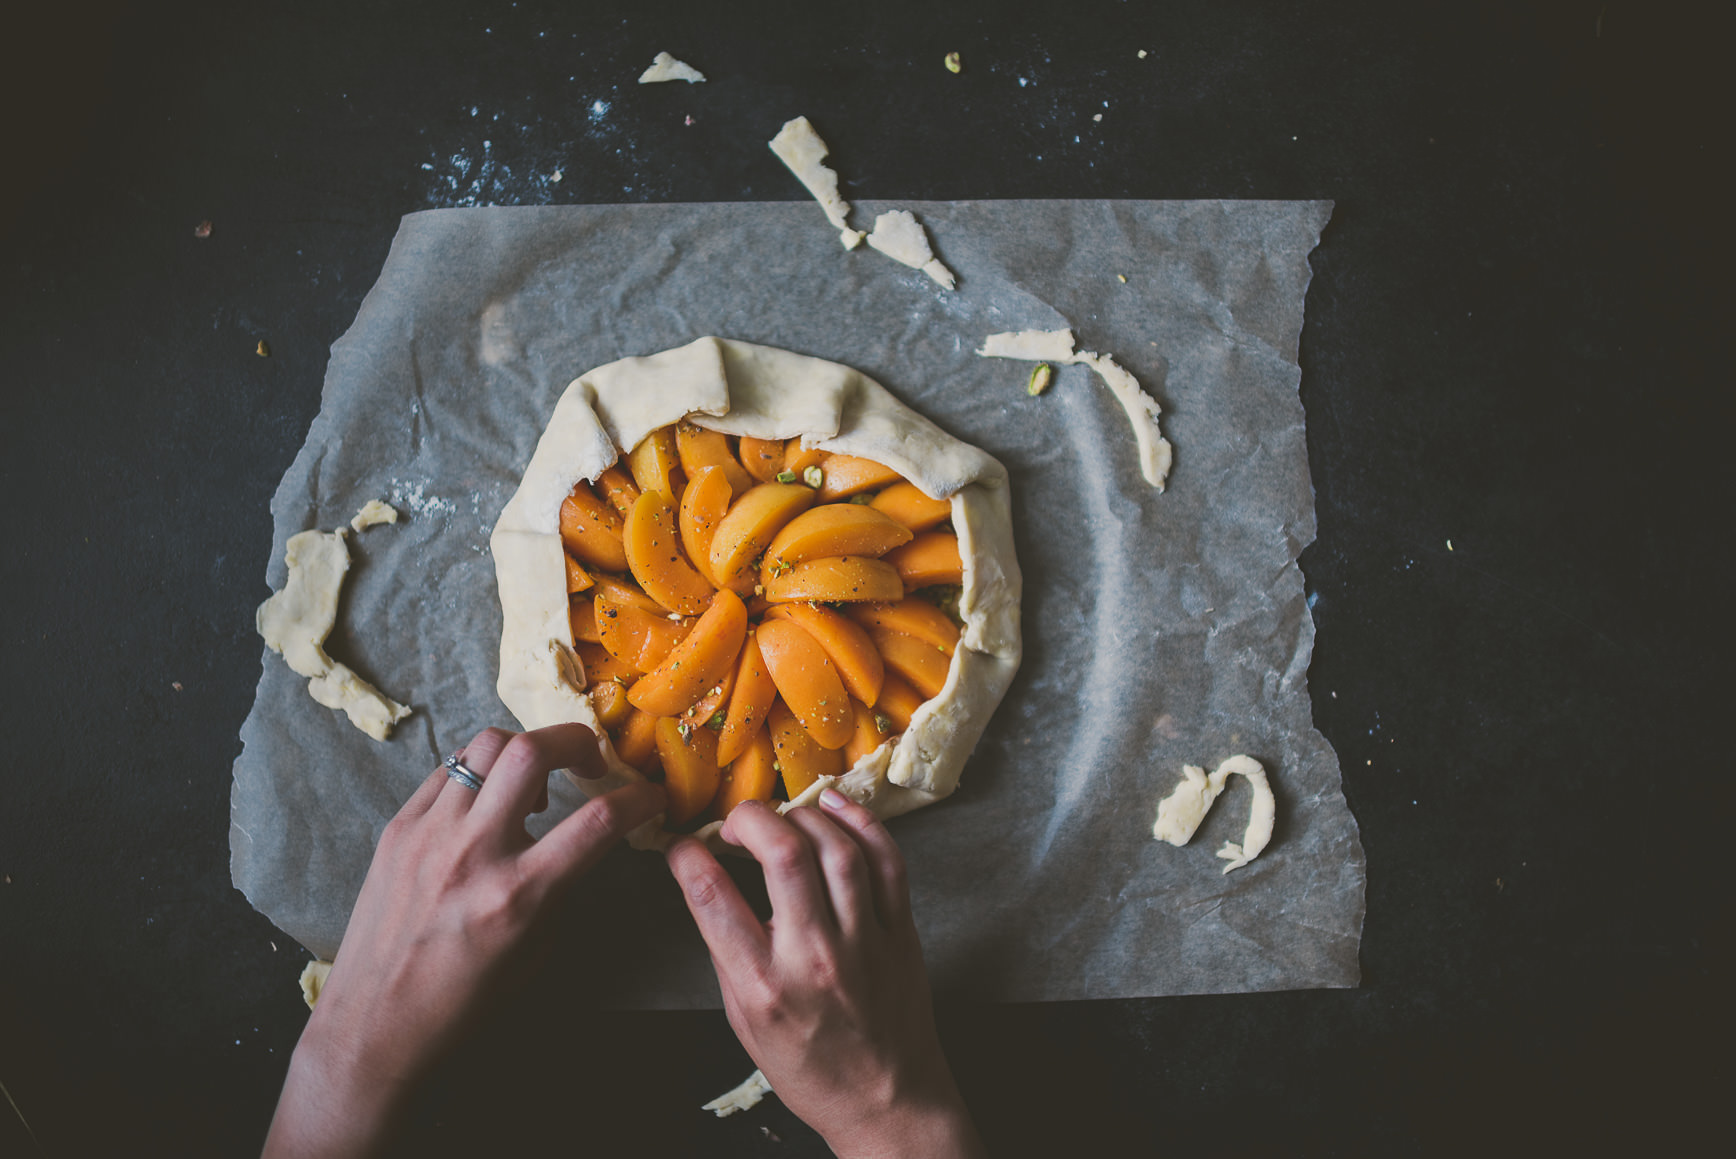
pixel 843 867
pixel 423 798
pixel 478 756
pixel 732 931
pixel 792 876
pixel 885 861
pixel 581 840
pixel 520 774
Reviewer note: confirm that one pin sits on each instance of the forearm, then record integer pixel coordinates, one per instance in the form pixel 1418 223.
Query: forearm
pixel 332 1106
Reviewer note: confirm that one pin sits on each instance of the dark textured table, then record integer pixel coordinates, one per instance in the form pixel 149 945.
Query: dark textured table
pixel 1510 346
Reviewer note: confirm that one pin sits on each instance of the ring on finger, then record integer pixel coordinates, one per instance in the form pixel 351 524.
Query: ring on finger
pixel 456 769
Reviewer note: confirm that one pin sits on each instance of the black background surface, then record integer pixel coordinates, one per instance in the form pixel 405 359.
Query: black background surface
pixel 1513 342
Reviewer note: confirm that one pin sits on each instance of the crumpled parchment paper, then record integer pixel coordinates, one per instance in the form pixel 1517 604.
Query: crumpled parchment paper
pixel 1160 629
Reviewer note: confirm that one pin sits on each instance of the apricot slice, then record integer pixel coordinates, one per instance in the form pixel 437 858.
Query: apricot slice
pixel 591 530
pixel 636 741
pixel 914 617
pixel 654 462
pixel 690 772
pixel 699 447
pixel 609 700
pixel 797 458
pixel 867 734
pixel 906 504
pixel 639 639
pixel 924 665
pixel 578 579
pixel 618 489
pixel 715 702
pixel 845 475
pixel 582 619
pixel 763 458
pixel 749 527
pixel 931 558
pixel 750 777
pixel 800 760
pixel 835 579
pixel 653 544
pixel 807 681
pixel 845 643
pixel 898 702
pixel 700 661
pixel 749 701
pixel 601 667
pixel 627 592
pixel 703 505
pixel 834 529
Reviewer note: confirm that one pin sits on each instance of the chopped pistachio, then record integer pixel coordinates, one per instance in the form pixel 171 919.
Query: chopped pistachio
pixel 717 719
pixel 814 477
pixel 862 498
pixel 262 349
pixel 952 62
pixel 786 476
pixel 882 722
pixel 685 729
pixel 777 768
pixel 1039 381
pixel 1122 278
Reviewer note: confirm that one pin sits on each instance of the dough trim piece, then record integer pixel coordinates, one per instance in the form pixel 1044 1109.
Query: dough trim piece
pixel 800 148
pixel 745 1097
pixel 666 68
pixel 1180 814
pixel 313 976
pixel 1155 453
pixel 296 621
pixel 373 513
pixel 899 236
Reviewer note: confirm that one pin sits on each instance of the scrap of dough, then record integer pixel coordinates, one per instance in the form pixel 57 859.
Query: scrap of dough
pixel 1155 453
pixel 296 621
pixel 799 147
pixel 743 1098
pixel 374 511
pixel 666 67
pixel 1030 346
pixel 899 236
pixel 1179 815
pixel 313 976
pixel 738 388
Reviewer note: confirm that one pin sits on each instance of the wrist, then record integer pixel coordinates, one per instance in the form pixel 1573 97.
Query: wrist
pixel 926 1118
pixel 942 1129
pixel 336 1100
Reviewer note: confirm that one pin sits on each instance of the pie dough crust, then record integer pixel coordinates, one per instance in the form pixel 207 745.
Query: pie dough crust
pixel 740 388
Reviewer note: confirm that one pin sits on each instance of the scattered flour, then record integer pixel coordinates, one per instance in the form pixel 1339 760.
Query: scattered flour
pixel 412 494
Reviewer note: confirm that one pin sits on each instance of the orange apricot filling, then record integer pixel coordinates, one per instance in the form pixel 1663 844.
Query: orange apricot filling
pixel 748 611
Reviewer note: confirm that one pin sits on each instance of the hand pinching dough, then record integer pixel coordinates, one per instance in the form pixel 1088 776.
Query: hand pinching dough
pixel 296 621
pixel 745 1097
pixel 1155 454
pixel 799 147
pixel 1179 815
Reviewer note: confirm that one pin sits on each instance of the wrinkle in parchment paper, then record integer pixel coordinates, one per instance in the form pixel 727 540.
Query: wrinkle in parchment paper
pixel 1160 629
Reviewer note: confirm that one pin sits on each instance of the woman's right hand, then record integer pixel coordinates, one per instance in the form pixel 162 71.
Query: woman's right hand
pixel 830 996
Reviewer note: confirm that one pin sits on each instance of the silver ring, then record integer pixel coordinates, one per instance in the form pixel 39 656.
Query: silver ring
pixel 455 769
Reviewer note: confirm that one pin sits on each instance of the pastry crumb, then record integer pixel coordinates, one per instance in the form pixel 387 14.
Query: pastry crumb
pixel 744 1097
pixel 799 147
pixel 203 229
pixel 899 236
pixel 666 68
pixel 313 977
pixel 373 513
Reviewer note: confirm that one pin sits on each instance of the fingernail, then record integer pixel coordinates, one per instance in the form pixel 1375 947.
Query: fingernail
pixel 833 799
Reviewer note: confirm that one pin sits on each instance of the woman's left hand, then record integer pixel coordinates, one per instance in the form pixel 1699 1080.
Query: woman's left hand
pixel 455 889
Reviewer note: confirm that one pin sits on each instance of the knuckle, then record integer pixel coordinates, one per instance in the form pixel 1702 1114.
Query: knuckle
pixel 705 885
pixel 843 859
pixel 785 855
